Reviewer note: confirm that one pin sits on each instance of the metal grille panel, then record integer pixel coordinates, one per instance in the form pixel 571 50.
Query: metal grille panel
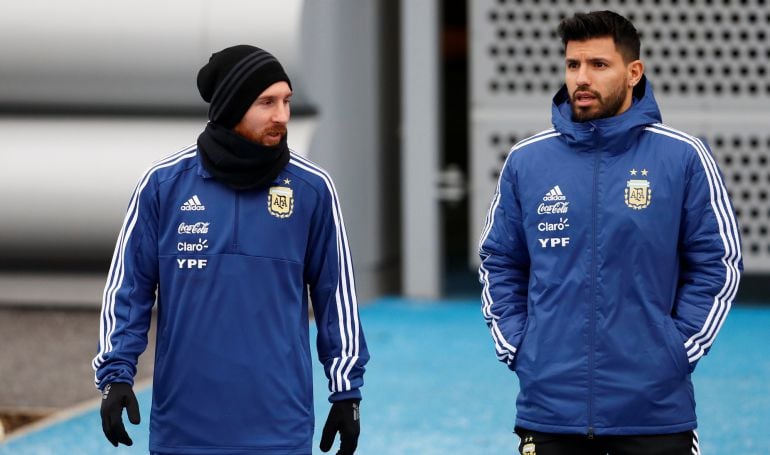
pixel 694 49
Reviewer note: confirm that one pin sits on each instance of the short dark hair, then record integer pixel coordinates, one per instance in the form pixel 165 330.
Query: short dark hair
pixel 600 24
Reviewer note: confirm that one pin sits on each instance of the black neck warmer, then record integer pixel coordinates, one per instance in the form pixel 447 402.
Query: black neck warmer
pixel 238 162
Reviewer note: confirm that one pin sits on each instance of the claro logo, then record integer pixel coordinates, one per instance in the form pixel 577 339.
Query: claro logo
pixel 200 227
pixel 203 244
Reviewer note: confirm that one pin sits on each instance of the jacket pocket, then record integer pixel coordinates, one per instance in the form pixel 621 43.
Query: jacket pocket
pixel 675 343
pixel 521 349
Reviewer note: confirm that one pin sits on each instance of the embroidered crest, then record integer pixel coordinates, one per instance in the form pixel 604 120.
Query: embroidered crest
pixel 638 194
pixel 529 446
pixel 280 201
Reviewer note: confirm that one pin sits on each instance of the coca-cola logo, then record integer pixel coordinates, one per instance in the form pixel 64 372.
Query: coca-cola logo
pixel 559 207
pixel 200 227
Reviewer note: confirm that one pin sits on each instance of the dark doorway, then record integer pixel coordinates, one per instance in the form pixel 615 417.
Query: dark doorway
pixel 459 278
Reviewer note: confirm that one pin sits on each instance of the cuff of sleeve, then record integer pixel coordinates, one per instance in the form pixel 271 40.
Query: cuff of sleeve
pixel 354 394
pixel 120 374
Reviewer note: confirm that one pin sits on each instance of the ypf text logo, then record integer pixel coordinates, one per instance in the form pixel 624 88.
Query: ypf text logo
pixel 554 242
pixel 192 263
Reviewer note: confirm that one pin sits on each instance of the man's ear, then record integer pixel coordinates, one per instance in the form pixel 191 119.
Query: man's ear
pixel 635 72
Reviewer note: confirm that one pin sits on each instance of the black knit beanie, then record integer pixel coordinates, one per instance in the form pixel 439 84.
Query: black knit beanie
pixel 233 78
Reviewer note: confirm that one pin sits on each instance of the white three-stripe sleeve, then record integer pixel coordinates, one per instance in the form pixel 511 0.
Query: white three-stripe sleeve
pixel 329 273
pixel 129 292
pixel 711 251
pixel 504 269
pixel 504 350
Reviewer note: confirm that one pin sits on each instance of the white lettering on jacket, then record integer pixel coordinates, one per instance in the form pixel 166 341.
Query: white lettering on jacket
pixel 200 227
pixel 201 245
pixel 192 263
pixel 560 226
pixel 559 207
pixel 554 242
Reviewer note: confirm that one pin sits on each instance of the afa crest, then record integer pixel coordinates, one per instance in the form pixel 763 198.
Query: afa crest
pixel 638 192
pixel 280 201
pixel 528 448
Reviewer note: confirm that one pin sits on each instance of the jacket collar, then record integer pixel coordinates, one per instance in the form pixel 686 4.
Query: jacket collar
pixel 613 134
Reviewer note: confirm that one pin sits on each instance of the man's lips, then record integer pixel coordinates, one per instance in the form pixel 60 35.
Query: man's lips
pixel 583 98
pixel 275 132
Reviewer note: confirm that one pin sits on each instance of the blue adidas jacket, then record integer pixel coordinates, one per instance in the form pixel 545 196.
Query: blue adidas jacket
pixel 610 258
pixel 233 272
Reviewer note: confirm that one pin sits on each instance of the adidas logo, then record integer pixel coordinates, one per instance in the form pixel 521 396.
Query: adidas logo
pixel 193 204
pixel 555 195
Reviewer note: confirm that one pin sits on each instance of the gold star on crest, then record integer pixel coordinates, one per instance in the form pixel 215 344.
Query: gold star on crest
pixel 633 171
pixel 286 181
pixel 644 171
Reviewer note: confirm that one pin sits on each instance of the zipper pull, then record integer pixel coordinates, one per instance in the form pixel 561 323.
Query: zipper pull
pixel 590 433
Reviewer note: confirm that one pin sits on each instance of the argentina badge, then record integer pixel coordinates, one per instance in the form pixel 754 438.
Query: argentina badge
pixel 529 446
pixel 638 193
pixel 280 201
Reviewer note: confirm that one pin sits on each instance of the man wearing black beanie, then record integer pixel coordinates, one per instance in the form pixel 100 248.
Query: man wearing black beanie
pixel 244 146
pixel 234 237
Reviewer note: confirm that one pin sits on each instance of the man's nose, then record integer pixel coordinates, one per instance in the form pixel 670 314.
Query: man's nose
pixel 582 77
pixel 281 113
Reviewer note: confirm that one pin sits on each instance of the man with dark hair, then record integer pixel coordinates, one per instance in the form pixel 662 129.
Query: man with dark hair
pixel 233 237
pixel 609 260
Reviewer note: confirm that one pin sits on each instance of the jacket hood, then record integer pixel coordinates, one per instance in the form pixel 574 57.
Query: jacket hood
pixel 615 134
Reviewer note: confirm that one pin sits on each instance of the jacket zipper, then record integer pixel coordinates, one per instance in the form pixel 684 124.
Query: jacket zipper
pixel 592 309
pixel 235 221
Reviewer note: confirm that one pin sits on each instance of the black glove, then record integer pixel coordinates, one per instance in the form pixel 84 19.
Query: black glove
pixel 115 397
pixel 343 418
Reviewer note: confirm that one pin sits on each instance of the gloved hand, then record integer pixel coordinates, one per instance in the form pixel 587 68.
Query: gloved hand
pixel 115 397
pixel 343 418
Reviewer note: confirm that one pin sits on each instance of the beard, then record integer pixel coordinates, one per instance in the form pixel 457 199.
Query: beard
pixel 263 137
pixel 608 106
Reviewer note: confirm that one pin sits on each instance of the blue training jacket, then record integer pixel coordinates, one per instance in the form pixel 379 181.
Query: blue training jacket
pixel 610 258
pixel 233 272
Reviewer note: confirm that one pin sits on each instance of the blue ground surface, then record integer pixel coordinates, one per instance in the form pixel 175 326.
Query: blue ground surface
pixel 433 386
